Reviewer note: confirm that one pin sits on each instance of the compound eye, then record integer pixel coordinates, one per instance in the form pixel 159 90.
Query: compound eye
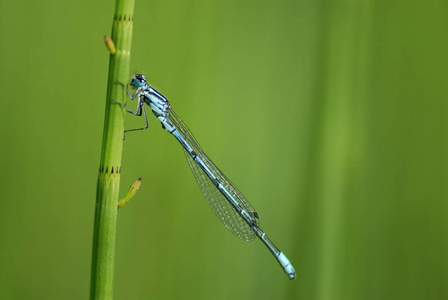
pixel 141 77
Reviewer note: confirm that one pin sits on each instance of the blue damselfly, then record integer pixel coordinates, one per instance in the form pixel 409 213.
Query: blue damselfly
pixel 228 203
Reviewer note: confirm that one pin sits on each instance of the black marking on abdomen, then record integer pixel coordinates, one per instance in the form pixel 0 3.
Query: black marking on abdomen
pixel 216 182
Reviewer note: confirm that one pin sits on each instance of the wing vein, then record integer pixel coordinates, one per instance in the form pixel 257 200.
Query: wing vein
pixel 218 203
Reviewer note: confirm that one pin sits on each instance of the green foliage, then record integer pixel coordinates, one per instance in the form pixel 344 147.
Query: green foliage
pixel 103 253
pixel 330 117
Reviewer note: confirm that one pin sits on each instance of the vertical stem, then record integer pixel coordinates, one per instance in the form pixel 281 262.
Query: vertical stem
pixel 110 165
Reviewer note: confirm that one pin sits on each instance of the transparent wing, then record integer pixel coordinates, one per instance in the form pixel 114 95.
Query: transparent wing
pixel 219 204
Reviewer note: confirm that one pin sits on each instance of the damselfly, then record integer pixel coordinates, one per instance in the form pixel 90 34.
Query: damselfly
pixel 231 207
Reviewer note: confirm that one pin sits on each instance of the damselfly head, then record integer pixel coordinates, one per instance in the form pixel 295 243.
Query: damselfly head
pixel 138 80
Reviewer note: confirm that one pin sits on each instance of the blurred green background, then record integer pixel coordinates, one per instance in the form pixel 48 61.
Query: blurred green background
pixel 330 116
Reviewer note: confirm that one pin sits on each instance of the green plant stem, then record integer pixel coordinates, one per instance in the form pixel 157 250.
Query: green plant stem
pixel 110 166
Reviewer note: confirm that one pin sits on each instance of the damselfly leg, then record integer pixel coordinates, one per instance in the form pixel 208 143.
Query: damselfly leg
pixel 137 112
